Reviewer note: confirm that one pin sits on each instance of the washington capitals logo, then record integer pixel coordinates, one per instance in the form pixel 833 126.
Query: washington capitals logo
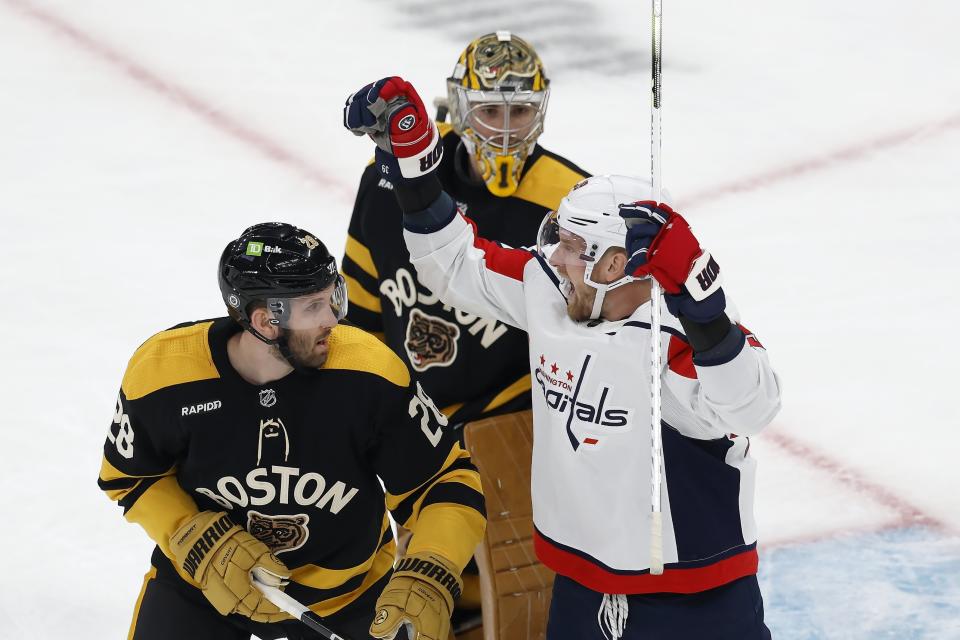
pixel 562 391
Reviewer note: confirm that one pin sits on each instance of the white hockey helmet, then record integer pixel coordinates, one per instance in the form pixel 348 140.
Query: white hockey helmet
pixel 587 223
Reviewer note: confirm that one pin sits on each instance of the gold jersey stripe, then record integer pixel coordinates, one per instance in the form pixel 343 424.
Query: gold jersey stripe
pixel 150 575
pixel 109 472
pixel 521 385
pixel 547 182
pixel 394 500
pixel 170 358
pixel 118 494
pixel 382 563
pixel 462 476
pixel 360 296
pixel 449 530
pixel 160 511
pixel 452 409
pixel 354 349
pixel 443 531
pixel 357 252
pixel 316 577
pixel 467 477
pixel 444 128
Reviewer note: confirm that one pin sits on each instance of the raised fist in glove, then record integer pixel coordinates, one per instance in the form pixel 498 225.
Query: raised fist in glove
pixel 223 558
pixel 420 595
pixel 660 244
pixel 393 115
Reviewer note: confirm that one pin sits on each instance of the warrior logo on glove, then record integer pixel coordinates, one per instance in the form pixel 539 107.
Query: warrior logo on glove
pixel 433 570
pixel 221 557
pixel 203 544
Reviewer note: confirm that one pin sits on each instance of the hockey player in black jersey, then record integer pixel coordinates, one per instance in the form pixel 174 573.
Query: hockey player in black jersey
pixel 252 445
pixel 505 182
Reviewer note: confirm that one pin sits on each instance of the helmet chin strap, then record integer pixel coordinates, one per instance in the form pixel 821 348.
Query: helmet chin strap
pixel 283 346
pixel 262 338
pixel 601 290
pixel 598 302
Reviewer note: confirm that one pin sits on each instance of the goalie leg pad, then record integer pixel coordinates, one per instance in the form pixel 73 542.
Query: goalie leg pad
pixel 515 587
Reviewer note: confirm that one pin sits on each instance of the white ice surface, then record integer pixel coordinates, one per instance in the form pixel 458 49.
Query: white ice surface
pixel 135 146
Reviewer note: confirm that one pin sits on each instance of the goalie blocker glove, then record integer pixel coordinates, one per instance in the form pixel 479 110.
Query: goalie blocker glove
pixel 222 558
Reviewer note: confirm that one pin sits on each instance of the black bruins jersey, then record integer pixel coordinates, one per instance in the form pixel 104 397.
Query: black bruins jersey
pixel 295 461
pixel 472 366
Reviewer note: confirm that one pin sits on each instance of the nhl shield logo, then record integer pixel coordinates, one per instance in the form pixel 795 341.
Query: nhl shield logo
pixel 268 397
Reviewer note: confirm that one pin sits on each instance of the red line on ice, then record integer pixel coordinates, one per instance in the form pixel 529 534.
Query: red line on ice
pixel 276 152
pixel 182 97
pixel 825 162
pixel 907 513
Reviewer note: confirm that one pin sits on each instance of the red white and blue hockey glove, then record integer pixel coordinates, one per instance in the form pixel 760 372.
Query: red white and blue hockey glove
pixel 660 244
pixel 393 115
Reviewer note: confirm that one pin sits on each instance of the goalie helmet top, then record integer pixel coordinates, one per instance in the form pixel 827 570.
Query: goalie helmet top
pixel 497 96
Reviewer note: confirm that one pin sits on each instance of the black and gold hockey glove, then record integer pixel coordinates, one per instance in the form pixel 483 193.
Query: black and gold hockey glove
pixel 420 594
pixel 222 557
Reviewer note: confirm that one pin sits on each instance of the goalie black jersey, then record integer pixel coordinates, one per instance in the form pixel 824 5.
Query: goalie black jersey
pixel 296 461
pixel 473 366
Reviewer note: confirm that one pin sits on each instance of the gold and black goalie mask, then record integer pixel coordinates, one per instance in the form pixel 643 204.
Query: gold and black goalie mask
pixel 497 98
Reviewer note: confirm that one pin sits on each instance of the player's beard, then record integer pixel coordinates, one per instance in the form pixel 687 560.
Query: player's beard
pixel 305 348
pixel 580 303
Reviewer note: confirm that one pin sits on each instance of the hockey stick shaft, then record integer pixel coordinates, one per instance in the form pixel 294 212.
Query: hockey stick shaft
pixel 296 609
pixel 656 443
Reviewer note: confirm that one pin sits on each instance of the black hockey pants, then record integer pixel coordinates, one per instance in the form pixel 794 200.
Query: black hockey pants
pixel 731 612
pixel 169 608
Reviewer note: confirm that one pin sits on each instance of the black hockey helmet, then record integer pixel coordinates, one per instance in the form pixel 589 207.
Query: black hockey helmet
pixel 272 263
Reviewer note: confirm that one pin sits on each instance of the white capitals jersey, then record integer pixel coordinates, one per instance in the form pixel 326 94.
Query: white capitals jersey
pixel 591 415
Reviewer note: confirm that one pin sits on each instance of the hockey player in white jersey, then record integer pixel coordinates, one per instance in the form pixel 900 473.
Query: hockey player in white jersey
pixel 584 298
